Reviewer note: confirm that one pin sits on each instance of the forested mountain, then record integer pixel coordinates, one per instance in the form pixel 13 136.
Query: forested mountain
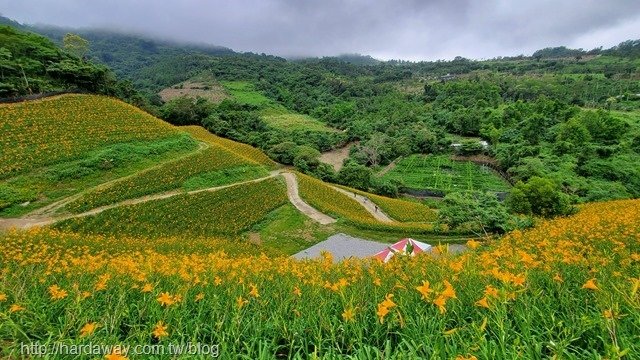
pixel 134 57
pixel 30 63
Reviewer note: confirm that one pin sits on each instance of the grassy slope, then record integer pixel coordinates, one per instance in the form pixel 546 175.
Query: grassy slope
pixel 246 93
pixel 274 115
pixel 330 201
pixel 397 209
pixel 244 150
pixel 40 187
pixel 193 171
pixel 55 147
pixel 288 231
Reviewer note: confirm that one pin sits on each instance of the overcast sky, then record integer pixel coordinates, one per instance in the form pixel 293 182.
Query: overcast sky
pixel 385 29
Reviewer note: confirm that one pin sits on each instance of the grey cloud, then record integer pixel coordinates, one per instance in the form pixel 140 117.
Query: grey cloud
pixel 411 29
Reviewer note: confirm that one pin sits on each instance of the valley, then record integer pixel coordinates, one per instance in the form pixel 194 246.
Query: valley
pixel 156 192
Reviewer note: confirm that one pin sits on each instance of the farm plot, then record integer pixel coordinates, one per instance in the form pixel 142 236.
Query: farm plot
pixel 244 150
pixel 223 212
pixel 401 210
pixel 440 173
pixel 245 92
pixel 36 188
pixel 280 118
pixel 331 201
pixel 169 176
pixel 45 132
pixel 488 300
pixel 274 114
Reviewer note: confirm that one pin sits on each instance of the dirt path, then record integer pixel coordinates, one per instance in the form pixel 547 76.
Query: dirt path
pixel 369 205
pixel 388 168
pixel 292 193
pixel 303 207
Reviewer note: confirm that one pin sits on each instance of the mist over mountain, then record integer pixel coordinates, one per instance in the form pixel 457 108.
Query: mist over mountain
pixel 408 30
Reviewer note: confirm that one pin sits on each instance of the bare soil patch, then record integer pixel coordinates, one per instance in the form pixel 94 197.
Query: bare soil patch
pixel 211 91
pixel 336 157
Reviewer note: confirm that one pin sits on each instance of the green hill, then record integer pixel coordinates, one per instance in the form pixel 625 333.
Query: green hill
pixel 83 155
pixel 31 63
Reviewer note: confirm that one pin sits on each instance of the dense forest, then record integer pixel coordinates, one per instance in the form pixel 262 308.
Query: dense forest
pixel 564 119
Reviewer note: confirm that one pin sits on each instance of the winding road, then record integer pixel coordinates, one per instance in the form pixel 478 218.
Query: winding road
pixel 48 214
pixel 369 205
pixel 45 216
pixel 303 207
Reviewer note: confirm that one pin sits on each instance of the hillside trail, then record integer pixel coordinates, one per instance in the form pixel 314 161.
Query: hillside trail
pixel 388 168
pixel 49 210
pixel 301 205
pixel 369 205
pixel 292 193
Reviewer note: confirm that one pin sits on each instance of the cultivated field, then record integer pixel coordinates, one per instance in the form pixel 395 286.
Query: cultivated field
pixel 566 289
pixel 246 93
pixel 275 115
pixel 56 147
pixel 187 171
pixel 44 132
pixel 220 213
pixel 243 150
pixel 285 120
pixel 209 90
pixel 398 209
pixel 439 173
pixel 340 205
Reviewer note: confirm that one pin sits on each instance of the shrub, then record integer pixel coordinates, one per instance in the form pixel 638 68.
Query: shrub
pixel 355 175
pixel 283 152
pixel 306 158
pixel 475 211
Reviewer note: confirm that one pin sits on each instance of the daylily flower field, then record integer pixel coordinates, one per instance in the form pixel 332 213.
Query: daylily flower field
pixel 568 288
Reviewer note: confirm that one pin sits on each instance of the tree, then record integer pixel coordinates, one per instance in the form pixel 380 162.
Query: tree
pixel 470 147
pixel 283 152
pixel 306 158
pixel 5 61
pixel 602 126
pixel 430 92
pixel 572 137
pixel 389 188
pixel 539 196
pixel 355 175
pixel 75 45
pixel 186 111
pixel 474 211
pixel 373 148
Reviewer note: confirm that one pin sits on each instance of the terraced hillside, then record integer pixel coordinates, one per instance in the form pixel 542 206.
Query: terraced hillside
pixel 55 147
pixel 171 243
pixel 48 131
pixel 182 181
pixel 213 165
pixel 353 210
pixel 220 213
